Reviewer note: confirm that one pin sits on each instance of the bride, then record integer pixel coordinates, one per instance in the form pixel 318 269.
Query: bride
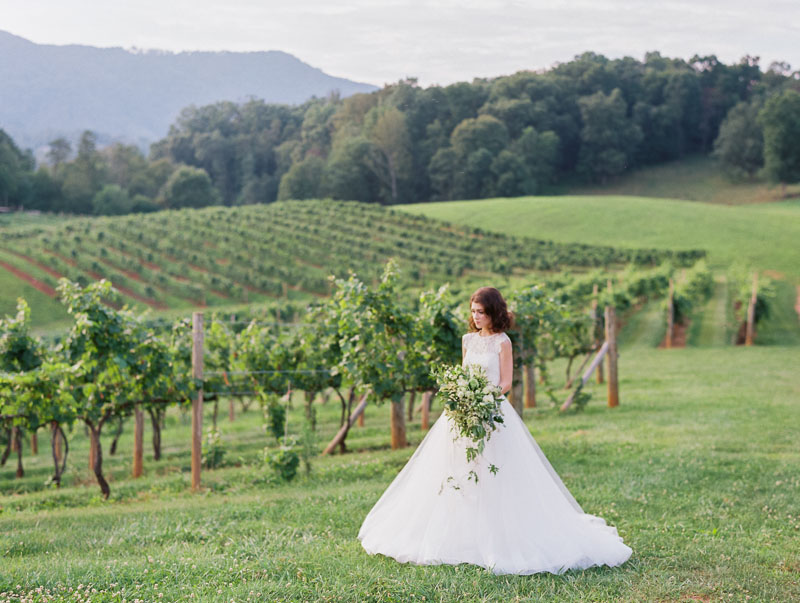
pixel 519 520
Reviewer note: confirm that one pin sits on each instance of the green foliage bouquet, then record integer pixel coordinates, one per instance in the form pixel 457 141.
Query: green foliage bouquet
pixel 472 403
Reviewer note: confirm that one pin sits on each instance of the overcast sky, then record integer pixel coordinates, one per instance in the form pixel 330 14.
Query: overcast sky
pixel 437 41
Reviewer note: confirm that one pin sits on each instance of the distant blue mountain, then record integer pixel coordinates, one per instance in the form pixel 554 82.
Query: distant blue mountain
pixel 47 91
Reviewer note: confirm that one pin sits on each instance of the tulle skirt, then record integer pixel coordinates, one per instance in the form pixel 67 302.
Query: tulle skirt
pixel 521 520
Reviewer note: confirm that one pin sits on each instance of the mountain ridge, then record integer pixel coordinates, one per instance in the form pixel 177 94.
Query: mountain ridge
pixel 134 95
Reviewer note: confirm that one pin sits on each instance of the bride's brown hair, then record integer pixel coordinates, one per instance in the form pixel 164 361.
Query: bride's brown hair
pixel 495 307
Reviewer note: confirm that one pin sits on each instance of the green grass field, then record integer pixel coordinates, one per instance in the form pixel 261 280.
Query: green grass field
pixel 698 468
pixel 693 178
pixel 764 236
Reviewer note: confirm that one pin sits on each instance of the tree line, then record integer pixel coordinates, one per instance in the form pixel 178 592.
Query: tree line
pixel 589 119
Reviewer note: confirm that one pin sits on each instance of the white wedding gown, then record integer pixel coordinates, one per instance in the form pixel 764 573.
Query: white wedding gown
pixel 522 520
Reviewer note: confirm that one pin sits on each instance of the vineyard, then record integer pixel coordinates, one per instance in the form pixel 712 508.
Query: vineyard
pixel 363 343
pixel 322 385
pixel 691 467
pixel 261 253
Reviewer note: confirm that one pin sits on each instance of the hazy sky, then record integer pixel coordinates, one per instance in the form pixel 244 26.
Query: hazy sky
pixel 437 41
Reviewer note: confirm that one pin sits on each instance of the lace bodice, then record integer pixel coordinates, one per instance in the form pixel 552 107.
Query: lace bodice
pixel 484 351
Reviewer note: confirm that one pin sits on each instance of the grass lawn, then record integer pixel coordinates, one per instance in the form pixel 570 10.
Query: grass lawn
pixel 698 468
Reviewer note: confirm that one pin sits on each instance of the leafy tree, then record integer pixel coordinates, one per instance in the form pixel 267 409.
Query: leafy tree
pixel 780 119
pixel 111 200
pixel 151 180
pixel 485 132
pixel 125 164
pixel 512 177
pixel 46 192
pixel 85 176
pixel 189 187
pixel 387 130
pixel 58 152
pixel 740 144
pixel 516 113
pixel 475 179
pixel 347 175
pixel 539 153
pixel 16 171
pixel 609 137
pixel 442 173
pixel 303 180
pixel 143 205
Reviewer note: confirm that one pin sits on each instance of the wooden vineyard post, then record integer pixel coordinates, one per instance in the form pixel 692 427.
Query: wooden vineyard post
pixel 359 410
pixel 594 323
pixel 670 314
pixel 611 339
pixel 197 403
pixel 751 312
pixel 530 385
pixel 426 410
pixel 18 446
pixel 398 425
pixel 138 438
pixel 57 445
pixel 361 420
pixel 412 396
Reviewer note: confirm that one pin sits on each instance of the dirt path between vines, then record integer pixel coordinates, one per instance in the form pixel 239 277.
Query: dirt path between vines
pixel 679 333
pixel 124 290
pixel 35 283
pixel 39 265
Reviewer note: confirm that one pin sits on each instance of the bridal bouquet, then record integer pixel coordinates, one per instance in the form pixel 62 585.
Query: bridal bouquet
pixel 472 403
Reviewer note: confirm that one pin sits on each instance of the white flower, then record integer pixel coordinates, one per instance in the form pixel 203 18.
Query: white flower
pixel 488 398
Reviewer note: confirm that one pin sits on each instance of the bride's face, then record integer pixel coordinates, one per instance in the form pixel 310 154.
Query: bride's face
pixel 480 317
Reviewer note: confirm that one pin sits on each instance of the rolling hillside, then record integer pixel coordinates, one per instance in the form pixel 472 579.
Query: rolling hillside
pixel 762 235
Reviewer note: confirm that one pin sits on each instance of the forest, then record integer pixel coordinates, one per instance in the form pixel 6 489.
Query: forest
pixel 587 120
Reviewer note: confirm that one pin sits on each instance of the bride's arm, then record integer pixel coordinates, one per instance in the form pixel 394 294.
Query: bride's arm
pixel 506 366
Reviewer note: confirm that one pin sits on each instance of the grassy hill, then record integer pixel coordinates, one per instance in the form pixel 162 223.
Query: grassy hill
pixel 764 236
pixel 698 470
pixel 694 179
